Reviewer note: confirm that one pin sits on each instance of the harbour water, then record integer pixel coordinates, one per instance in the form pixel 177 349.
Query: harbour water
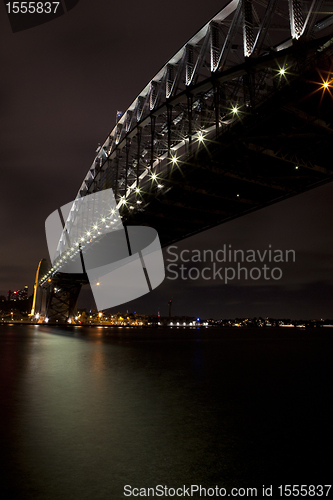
pixel 88 410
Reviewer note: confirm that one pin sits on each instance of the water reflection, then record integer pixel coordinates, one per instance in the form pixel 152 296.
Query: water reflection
pixel 87 410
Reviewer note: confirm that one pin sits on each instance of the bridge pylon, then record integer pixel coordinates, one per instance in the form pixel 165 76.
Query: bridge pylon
pixel 61 297
pixel 55 301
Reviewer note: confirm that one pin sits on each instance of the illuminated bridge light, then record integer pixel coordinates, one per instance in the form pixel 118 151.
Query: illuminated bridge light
pixel 281 71
pixel 137 190
pixel 200 137
pixel 235 110
pixel 326 85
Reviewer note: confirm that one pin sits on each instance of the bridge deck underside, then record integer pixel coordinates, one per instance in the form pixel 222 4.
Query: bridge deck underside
pixel 281 150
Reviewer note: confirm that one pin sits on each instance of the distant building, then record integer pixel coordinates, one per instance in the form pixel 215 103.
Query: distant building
pixel 18 294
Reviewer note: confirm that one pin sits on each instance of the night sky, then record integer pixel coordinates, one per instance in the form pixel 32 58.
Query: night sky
pixel 61 86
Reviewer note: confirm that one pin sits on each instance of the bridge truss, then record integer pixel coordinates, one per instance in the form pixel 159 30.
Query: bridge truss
pixel 250 61
pixel 238 118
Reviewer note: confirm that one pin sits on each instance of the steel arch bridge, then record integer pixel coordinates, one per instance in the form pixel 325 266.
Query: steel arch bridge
pixel 238 118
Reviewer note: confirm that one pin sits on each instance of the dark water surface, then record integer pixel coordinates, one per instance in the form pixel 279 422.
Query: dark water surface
pixel 86 411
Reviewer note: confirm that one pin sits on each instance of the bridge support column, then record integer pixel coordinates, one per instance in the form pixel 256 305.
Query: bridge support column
pixel 138 155
pixel 117 175
pixel 217 107
pixel 152 138
pixel 128 145
pixel 189 117
pixel 62 301
pixel 169 123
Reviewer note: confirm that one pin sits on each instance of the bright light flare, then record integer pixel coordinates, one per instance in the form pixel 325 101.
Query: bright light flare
pixel 153 177
pixel 282 71
pixel 326 85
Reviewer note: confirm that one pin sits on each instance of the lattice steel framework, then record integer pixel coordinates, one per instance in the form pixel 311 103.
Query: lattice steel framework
pixel 221 75
pixel 218 84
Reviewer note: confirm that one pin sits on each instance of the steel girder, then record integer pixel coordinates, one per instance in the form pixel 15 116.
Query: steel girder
pixel 231 64
pixel 193 146
pixel 61 295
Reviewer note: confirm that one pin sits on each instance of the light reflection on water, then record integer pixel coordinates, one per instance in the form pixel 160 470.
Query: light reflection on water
pixel 87 410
